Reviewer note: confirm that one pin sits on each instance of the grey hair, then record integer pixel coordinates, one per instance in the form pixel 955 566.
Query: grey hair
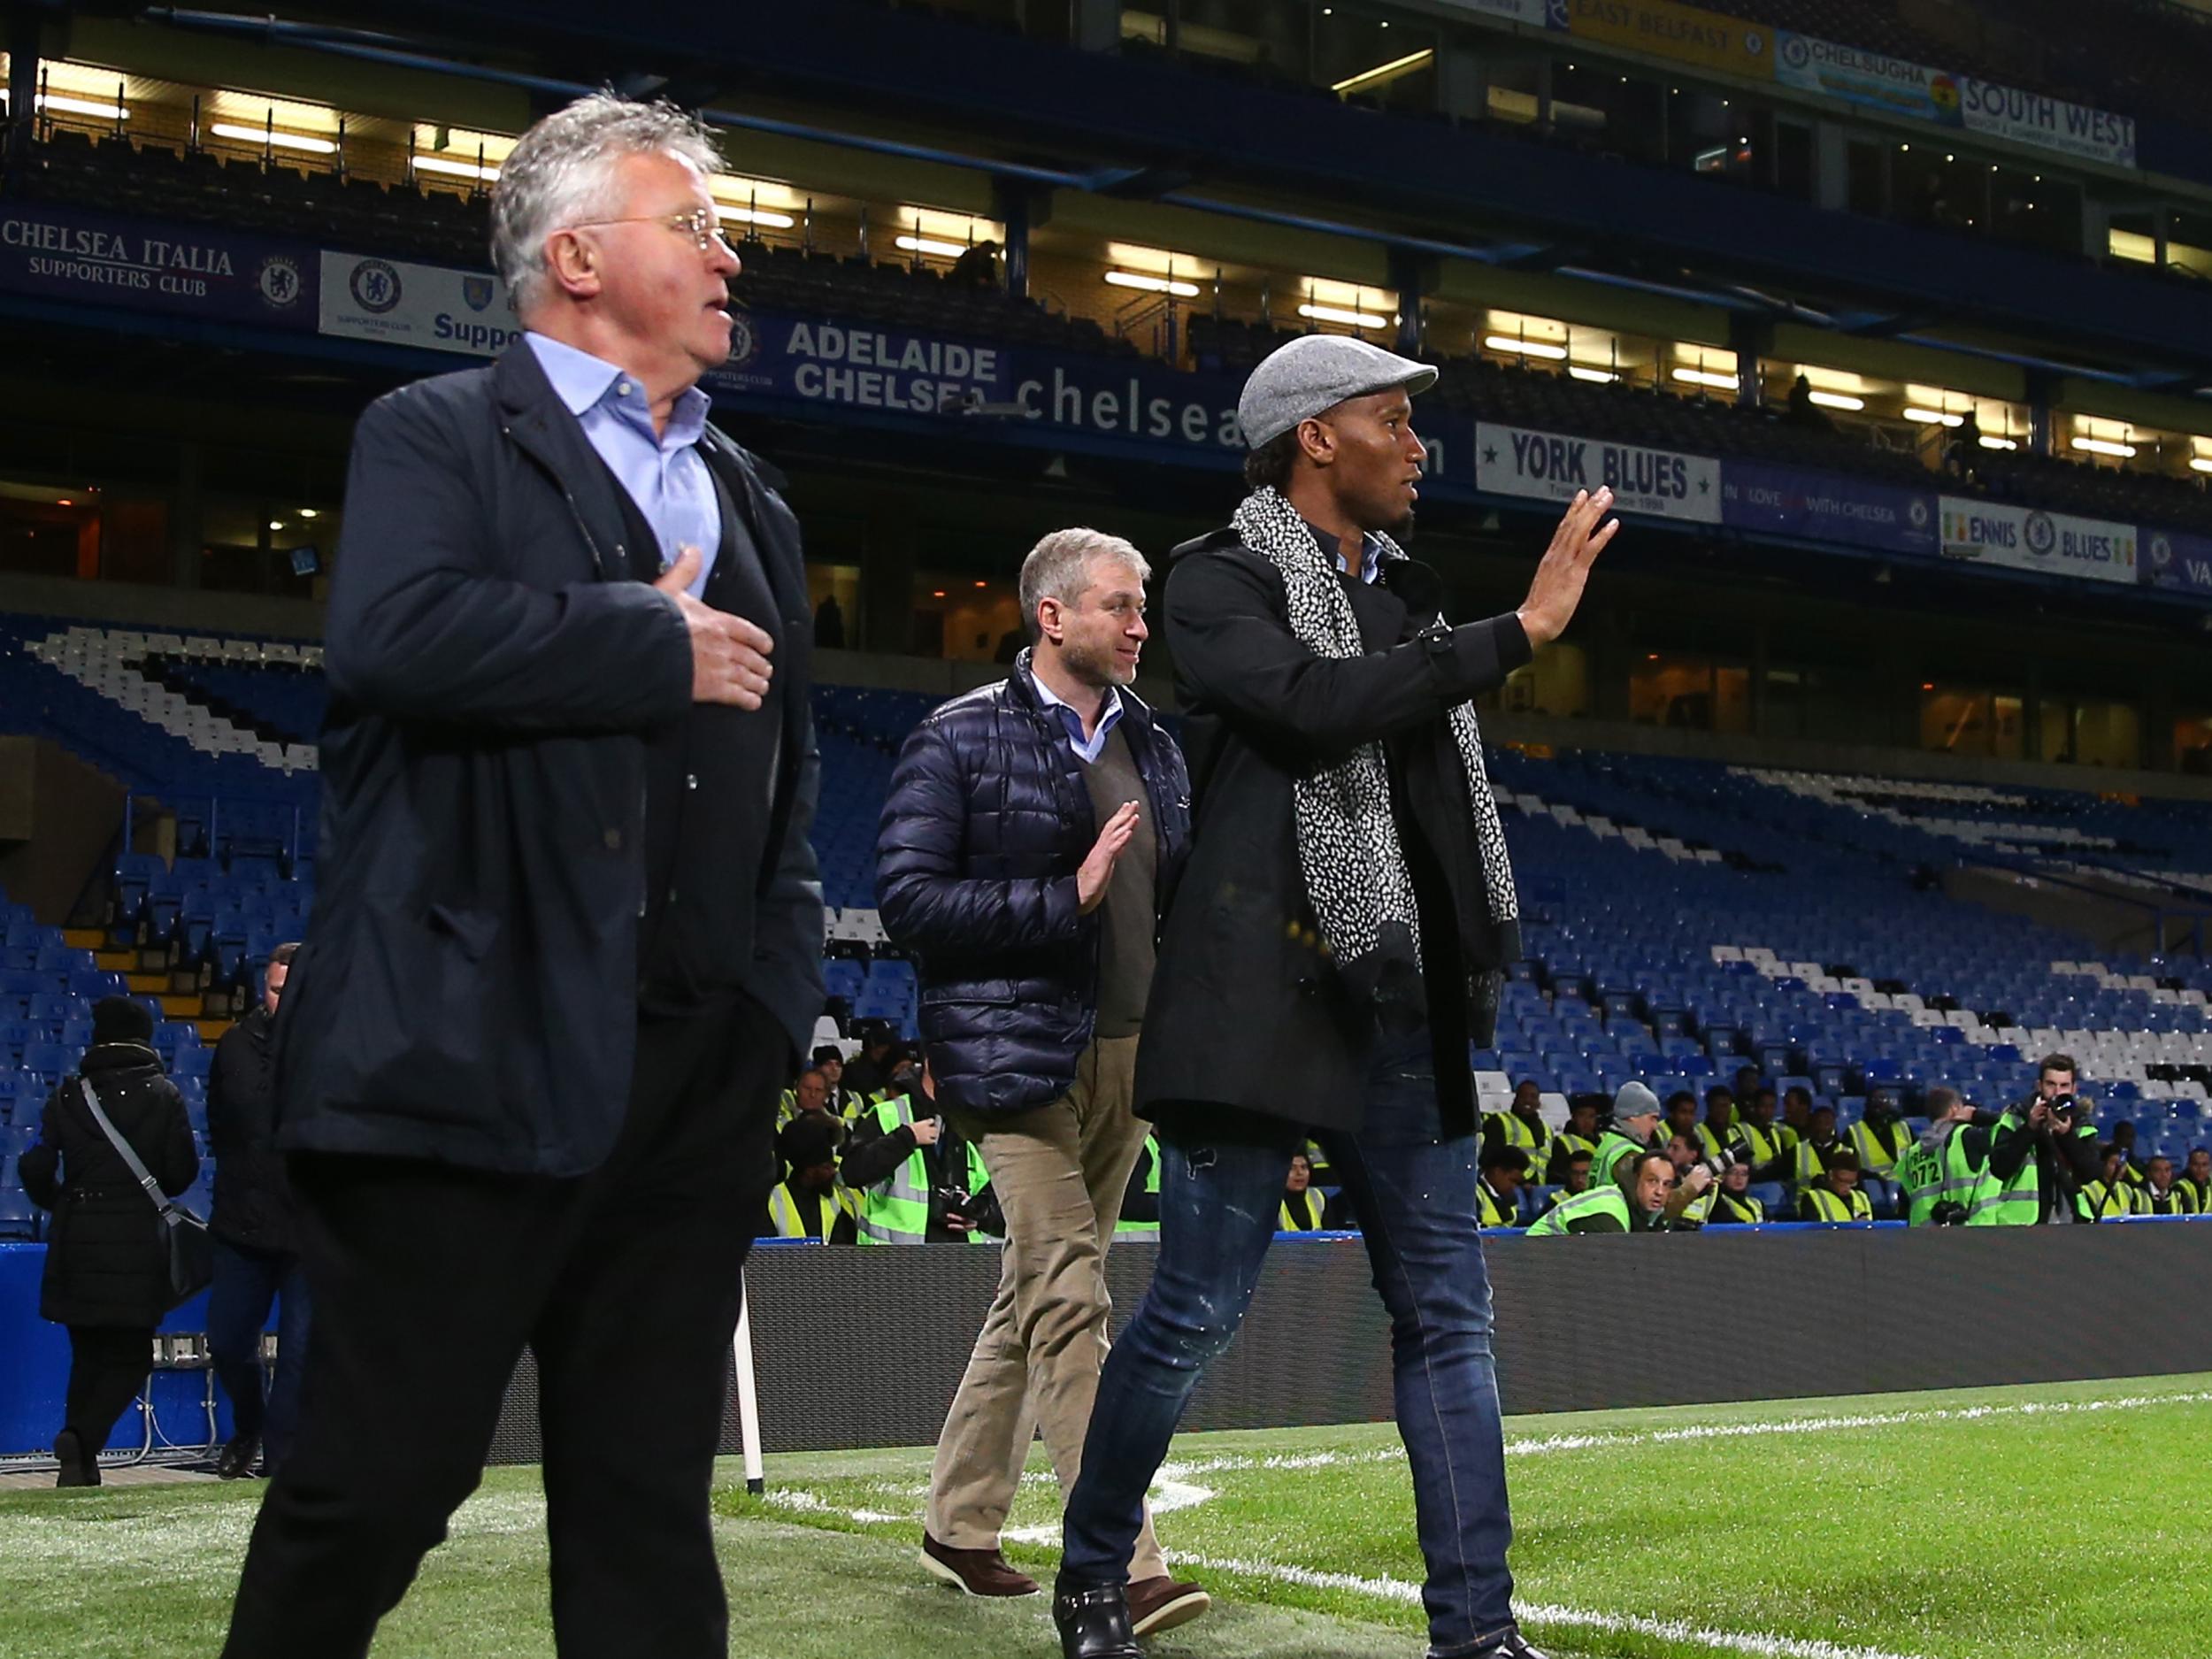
pixel 1059 567
pixel 561 173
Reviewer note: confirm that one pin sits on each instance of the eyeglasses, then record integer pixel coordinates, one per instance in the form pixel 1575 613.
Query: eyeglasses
pixel 702 226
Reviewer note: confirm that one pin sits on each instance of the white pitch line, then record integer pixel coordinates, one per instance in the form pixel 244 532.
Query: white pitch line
pixel 1536 1446
pixel 1753 1642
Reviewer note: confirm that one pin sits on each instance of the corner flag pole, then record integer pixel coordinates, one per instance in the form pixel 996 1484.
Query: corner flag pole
pixel 747 1395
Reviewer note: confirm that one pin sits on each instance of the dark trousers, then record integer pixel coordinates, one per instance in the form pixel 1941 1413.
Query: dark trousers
pixel 247 1282
pixel 429 1280
pixel 108 1365
pixel 1415 1192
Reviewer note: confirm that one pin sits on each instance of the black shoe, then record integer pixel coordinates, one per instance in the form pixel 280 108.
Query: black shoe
pixel 1512 1645
pixel 1095 1624
pixel 235 1460
pixel 77 1469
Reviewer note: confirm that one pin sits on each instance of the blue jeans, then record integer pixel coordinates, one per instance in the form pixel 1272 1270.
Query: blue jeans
pixel 1414 1190
pixel 246 1282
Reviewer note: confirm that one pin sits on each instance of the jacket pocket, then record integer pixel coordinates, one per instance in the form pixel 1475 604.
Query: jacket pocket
pixel 423 1016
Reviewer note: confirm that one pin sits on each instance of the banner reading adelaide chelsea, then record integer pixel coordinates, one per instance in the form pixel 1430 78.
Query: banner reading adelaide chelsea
pixel 2027 539
pixel 1546 466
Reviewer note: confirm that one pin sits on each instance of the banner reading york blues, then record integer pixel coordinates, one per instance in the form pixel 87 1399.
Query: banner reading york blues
pixel 2027 539
pixel 1828 507
pixel 432 307
pixel 1547 466
pixel 189 270
pixel 2182 562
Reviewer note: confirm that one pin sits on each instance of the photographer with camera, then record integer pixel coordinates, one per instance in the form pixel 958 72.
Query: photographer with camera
pixel 1637 1201
pixel 915 1179
pixel 2041 1154
pixel 1632 1126
pixel 1935 1181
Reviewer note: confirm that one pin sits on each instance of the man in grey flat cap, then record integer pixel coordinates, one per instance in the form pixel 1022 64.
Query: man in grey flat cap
pixel 1336 942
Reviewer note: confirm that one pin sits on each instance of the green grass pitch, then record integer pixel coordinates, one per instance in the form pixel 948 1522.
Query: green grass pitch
pixel 1993 1523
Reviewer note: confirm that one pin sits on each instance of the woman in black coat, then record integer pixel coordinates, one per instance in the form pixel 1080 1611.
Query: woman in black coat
pixel 107 1266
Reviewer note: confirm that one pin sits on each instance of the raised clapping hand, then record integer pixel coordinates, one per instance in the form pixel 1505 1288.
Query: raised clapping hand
pixel 1556 589
pixel 1098 870
pixel 729 656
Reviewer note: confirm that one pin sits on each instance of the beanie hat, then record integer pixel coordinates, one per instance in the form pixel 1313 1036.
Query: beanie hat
pixel 121 1019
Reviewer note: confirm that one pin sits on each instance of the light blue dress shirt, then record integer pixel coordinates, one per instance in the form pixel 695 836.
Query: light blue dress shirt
pixel 664 472
pixel 1092 747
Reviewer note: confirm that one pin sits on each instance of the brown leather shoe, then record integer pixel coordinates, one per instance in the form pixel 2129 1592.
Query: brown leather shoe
pixel 1162 1603
pixel 977 1571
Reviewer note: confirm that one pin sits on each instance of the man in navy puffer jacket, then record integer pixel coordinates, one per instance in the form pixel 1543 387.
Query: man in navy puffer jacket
pixel 1033 831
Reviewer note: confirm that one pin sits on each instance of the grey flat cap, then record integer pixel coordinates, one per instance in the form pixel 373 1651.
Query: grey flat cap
pixel 1316 373
pixel 1635 1100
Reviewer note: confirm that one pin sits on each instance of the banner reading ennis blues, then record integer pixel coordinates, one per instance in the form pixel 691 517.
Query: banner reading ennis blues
pixel 2028 539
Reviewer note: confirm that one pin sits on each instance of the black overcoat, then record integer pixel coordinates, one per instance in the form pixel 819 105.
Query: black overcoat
pixel 253 1200
pixel 1246 1011
pixel 467 991
pixel 106 1263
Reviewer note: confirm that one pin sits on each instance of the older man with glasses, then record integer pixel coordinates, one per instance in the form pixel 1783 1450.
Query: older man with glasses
pixel 567 946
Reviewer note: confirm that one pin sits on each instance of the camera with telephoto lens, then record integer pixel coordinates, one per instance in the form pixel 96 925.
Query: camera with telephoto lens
pixel 2063 1108
pixel 1726 1159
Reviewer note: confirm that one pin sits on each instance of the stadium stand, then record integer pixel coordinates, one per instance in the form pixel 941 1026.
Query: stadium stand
pixel 1682 917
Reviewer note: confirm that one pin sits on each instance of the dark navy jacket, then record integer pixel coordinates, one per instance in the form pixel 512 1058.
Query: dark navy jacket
pixel 987 820
pixel 468 989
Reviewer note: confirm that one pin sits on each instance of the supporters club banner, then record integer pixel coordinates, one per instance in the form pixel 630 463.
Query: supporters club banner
pixel 2178 562
pixel 185 270
pixel 1547 466
pixel 1536 14
pixel 2006 114
pixel 1683 33
pixel 1892 84
pixel 2029 117
pixel 2028 539
pixel 1828 507
pixel 433 308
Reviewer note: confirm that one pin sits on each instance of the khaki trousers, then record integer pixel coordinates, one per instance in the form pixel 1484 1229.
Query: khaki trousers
pixel 1059 1173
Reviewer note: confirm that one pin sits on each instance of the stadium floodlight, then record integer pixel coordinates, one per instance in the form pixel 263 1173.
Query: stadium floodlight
pixel 1934 416
pixel 1339 314
pixel 455 169
pixel 728 212
pixel 2105 446
pixel 58 103
pixel 932 245
pixel 1837 400
pixel 273 138
pixel 1596 377
pixel 1383 74
pixel 1707 376
pixel 1989 442
pixel 1542 348
pixel 1153 284
pixel 2200 464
